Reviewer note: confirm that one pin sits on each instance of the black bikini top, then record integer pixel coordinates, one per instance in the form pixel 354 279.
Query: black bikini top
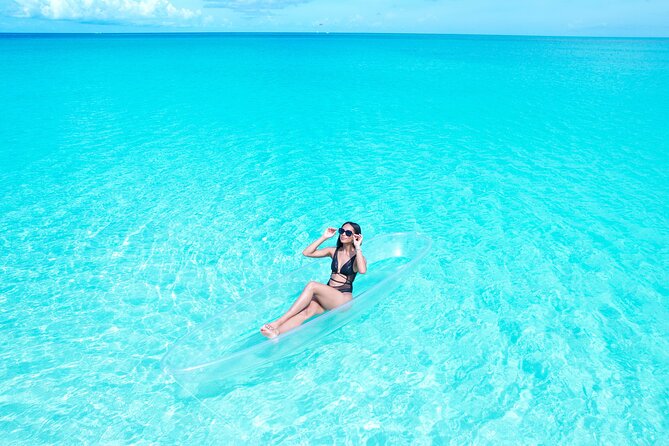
pixel 347 269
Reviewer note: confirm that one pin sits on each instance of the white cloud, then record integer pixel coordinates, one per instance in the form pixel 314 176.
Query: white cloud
pixel 107 11
pixel 253 5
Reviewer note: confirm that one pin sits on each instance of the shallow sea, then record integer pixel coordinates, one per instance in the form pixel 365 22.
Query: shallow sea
pixel 148 181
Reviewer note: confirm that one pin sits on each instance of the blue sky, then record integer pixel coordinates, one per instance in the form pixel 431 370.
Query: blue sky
pixel 532 17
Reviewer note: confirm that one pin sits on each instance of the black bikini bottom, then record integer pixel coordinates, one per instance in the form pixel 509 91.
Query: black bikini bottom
pixel 343 289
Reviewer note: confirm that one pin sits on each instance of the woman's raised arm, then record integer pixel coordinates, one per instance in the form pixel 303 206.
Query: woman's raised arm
pixel 312 251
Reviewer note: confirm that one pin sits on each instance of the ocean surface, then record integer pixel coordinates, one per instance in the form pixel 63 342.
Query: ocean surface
pixel 146 182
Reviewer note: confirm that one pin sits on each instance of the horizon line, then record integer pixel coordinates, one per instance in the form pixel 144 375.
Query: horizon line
pixel 325 33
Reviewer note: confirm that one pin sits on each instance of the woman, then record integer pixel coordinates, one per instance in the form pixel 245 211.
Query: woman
pixel 317 297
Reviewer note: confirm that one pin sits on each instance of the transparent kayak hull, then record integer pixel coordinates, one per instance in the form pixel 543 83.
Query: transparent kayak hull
pixel 230 342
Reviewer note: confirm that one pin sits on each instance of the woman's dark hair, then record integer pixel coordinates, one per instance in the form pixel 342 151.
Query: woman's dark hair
pixel 356 230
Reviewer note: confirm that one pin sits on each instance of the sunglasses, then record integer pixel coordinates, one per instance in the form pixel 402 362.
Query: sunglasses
pixel 345 231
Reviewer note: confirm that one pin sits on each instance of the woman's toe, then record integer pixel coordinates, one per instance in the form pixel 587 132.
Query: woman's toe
pixel 269 330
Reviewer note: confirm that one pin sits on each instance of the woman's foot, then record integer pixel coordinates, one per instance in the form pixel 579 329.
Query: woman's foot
pixel 269 331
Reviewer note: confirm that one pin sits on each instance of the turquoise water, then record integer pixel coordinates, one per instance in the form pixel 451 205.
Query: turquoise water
pixel 148 181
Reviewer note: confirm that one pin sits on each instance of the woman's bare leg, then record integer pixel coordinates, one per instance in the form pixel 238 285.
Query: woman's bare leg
pixel 272 329
pixel 312 309
pixel 326 296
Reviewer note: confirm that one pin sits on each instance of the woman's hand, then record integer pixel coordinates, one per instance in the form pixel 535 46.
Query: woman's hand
pixel 329 232
pixel 357 240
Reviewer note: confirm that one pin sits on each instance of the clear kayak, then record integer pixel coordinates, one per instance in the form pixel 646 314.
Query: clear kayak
pixel 230 342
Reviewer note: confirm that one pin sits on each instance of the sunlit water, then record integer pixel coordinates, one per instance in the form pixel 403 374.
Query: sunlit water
pixel 146 182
